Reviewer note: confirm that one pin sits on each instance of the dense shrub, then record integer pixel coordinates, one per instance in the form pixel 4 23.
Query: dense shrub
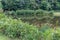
pixel 10 5
pixel 46 32
pixel 39 14
pixel 25 13
pixel 50 33
pixel 43 14
pixel 56 35
pixel 16 28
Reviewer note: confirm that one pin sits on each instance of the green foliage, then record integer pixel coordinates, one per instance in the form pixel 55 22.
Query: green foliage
pixel 25 13
pixel 50 33
pixel 56 35
pixel 16 28
pixel 38 14
pixel 46 32
pixel 30 4
pixel 43 14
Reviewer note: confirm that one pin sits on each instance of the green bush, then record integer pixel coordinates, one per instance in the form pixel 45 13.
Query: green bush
pixel 25 13
pixel 16 28
pixel 50 33
pixel 30 4
pixel 47 33
pixel 56 35
pixel 39 14
pixel 42 13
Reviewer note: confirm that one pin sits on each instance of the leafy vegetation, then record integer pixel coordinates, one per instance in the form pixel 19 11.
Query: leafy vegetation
pixel 13 28
pixel 39 14
pixel 29 19
pixel 31 4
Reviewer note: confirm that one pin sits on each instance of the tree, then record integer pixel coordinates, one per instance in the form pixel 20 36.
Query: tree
pixel 30 4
